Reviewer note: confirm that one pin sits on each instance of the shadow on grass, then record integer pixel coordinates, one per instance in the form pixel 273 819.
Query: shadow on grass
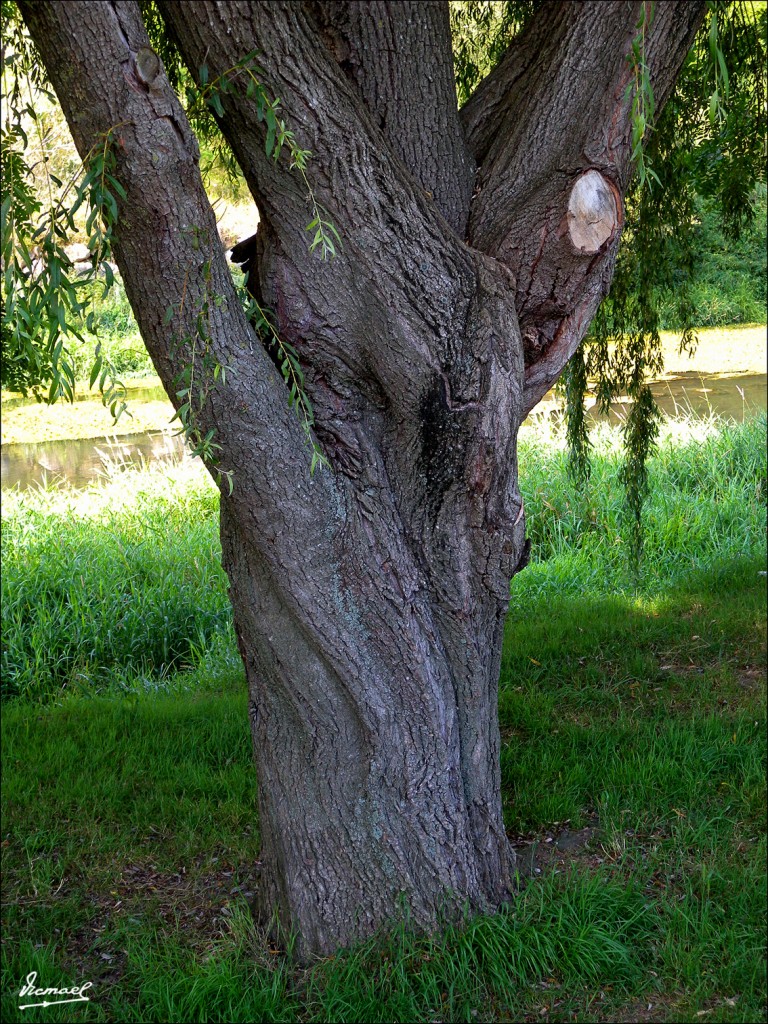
pixel 130 839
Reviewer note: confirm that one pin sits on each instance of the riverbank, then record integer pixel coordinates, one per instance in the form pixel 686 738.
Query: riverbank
pixel 726 352
pixel 633 750
pixel 87 417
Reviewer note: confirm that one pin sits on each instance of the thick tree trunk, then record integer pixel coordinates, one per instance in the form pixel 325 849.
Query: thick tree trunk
pixel 378 794
pixel 370 598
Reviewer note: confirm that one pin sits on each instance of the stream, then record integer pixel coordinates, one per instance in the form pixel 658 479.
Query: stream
pixel 79 462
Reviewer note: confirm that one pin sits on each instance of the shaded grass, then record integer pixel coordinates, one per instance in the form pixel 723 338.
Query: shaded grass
pixel 129 840
pixel 153 792
pixel 578 932
pixel 115 588
pixel 130 834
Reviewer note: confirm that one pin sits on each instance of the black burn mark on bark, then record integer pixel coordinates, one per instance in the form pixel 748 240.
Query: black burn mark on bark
pixel 525 557
pixel 443 443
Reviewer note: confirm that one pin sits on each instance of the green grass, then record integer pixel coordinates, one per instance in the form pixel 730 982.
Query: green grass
pixel 579 532
pixel 113 588
pixel 634 711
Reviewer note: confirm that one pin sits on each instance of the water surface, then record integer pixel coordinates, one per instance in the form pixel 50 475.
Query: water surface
pixel 79 462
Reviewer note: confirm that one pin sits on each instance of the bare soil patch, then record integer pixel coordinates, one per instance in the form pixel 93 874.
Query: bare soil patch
pixel 557 849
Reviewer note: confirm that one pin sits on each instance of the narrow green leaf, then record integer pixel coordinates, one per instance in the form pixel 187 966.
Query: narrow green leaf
pixel 117 187
pixel 94 371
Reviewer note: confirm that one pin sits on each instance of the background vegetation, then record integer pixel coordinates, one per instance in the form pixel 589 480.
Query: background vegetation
pixel 728 276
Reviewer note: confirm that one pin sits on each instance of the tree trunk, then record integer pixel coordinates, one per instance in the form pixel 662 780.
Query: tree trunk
pixel 373 650
pixel 370 597
pixel 378 794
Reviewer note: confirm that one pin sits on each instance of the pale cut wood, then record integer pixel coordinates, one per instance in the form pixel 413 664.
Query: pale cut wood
pixel 592 212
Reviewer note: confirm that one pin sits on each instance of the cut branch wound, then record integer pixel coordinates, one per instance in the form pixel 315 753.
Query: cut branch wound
pixel 592 212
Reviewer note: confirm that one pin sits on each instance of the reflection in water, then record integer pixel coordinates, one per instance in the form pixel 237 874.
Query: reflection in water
pixel 80 462
pixel 687 394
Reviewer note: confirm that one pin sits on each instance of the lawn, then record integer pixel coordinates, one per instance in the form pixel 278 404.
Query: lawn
pixel 633 721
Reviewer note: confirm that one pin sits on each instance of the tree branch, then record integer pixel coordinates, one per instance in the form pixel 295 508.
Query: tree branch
pixel 398 252
pixel 399 57
pixel 166 244
pixel 551 127
pixel 484 114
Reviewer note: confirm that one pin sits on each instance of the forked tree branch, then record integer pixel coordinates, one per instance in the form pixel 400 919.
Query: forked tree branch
pixel 398 252
pixel 551 128
pixel 485 114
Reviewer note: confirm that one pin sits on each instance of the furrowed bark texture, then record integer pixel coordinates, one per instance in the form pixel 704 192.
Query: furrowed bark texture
pixel 399 57
pixel 557 108
pixel 370 598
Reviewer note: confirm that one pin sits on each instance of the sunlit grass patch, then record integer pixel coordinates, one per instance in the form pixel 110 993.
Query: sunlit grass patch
pixel 707 503
pixel 31 424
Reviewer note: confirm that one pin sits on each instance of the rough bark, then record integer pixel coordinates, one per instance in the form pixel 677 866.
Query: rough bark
pixel 399 56
pixel 555 108
pixel 370 598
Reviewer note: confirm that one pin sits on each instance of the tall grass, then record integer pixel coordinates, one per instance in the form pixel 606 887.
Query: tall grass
pixel 707 504
pixel 121 584
pixel 115 587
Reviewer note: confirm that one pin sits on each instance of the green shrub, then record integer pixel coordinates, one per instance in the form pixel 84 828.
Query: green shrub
pixel 728 283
